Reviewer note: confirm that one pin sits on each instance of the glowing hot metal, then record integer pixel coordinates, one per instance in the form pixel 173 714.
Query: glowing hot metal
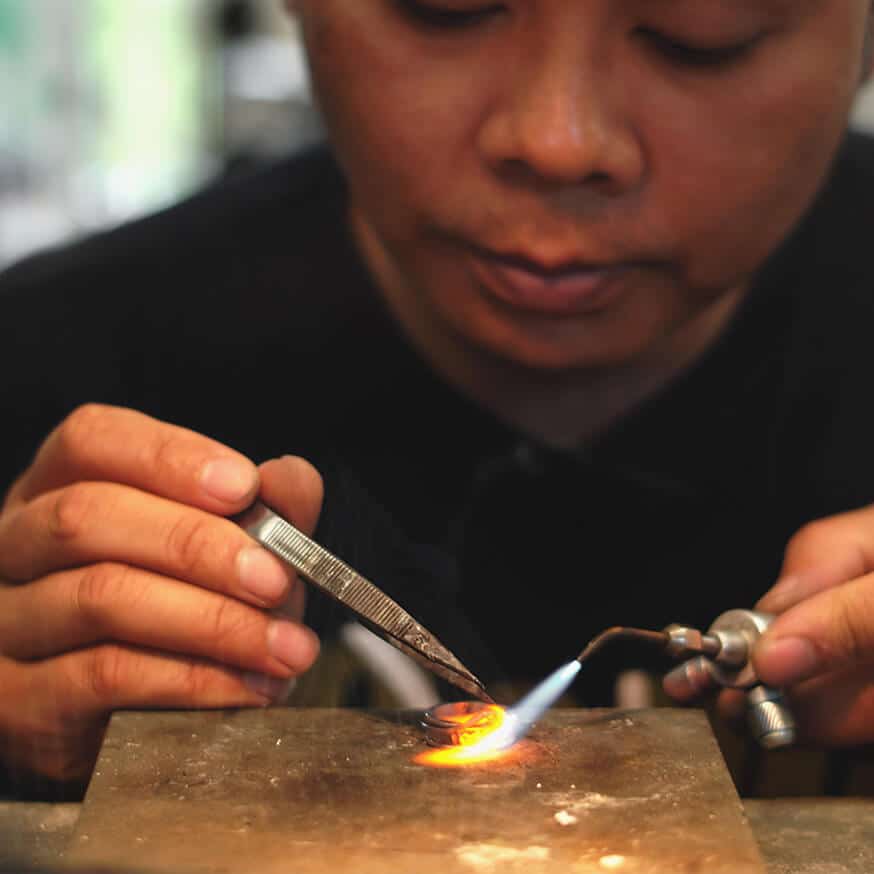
pixel 482 733
pixel 721 656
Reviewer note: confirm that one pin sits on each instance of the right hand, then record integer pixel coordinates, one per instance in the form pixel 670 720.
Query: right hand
pixel 122 585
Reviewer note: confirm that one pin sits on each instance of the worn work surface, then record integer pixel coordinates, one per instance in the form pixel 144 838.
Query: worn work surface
pixel 796 835
pixel 822 836
pixel 316 791
pixel 34 835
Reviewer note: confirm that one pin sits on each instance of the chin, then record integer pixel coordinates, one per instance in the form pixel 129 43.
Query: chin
pixel 612 337
pixel 569 355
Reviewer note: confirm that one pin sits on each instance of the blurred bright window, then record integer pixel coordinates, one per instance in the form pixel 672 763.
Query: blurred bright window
pixel 104 113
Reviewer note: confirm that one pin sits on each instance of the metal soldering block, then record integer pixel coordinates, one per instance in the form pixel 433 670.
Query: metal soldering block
pixel 318 791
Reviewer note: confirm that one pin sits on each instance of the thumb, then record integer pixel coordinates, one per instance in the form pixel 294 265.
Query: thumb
pixel 821 555
pixel 293 487
pixel 829 631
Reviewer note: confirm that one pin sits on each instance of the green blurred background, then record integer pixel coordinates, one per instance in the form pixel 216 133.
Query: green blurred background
pixel 113 108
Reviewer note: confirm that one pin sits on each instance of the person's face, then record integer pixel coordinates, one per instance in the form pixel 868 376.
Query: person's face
pixel 566 183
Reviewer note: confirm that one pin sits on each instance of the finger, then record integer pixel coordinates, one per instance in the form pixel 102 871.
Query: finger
pixel 827 632
pixel 731 704
pixel 836 709
pixel 109 602
pixel 90 523
pixel 119 445
pixel 294 606
pixel 800 585
pixel 61 704
pixel 293 488
pixel 689 681
pixel 118 677
pixel 823 554
pixel 36 738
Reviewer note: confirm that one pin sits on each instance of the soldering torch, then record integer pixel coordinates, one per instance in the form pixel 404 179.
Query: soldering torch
pixel 719 657
pixel 722 656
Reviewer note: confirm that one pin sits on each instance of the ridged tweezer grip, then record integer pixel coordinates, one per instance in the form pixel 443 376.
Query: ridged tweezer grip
pixel 370 604
pixel 332 575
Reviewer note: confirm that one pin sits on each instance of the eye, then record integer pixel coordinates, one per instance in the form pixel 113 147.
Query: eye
pixel 684 54
pixel 445 17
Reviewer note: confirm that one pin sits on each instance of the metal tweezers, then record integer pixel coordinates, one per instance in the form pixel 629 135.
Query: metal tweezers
pixel 373 608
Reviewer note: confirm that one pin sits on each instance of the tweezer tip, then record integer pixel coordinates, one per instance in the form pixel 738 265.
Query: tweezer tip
pixel 470 684
pixel 475 686
pixel 485 697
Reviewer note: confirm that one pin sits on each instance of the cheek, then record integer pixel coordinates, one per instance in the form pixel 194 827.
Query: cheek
pixel 733 176
pixel 401 128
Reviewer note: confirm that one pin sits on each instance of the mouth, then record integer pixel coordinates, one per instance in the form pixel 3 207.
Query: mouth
pixel 560 288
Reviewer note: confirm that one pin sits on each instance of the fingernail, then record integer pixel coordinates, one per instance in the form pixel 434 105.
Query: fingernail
pixel 294 645
pixel 786 660
pixel 262 574
pixel 229 479
pixel 272 688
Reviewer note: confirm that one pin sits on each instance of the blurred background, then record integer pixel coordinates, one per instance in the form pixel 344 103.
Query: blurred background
pixel 113 108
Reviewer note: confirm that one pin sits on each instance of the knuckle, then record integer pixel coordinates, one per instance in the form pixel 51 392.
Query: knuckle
pixel 851 625
pixel 164 454
pixel 228 621
pixel 195 680
pixel 812 539
pixel 96 591
pixel 188 542
pixel 70 510
pixel 106 669
pixel 810 533
pixel 80 432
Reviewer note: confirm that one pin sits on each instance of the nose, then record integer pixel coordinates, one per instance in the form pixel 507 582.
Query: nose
pixel 560 122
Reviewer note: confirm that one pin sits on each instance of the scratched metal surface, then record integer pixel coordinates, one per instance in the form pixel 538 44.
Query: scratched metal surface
pixel 317 791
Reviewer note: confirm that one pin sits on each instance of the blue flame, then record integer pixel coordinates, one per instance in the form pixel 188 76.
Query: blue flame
pixel 519 718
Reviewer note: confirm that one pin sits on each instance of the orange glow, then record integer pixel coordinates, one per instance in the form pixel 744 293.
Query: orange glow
pixel 469 749
pixel 476 725
pixel 457 757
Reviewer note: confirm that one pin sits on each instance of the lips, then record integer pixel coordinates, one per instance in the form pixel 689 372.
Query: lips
pixel 563 288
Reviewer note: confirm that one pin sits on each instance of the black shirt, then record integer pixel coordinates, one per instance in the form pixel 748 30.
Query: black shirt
pixel 246 313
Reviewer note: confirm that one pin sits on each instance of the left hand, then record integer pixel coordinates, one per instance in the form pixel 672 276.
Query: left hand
pixel 820 648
